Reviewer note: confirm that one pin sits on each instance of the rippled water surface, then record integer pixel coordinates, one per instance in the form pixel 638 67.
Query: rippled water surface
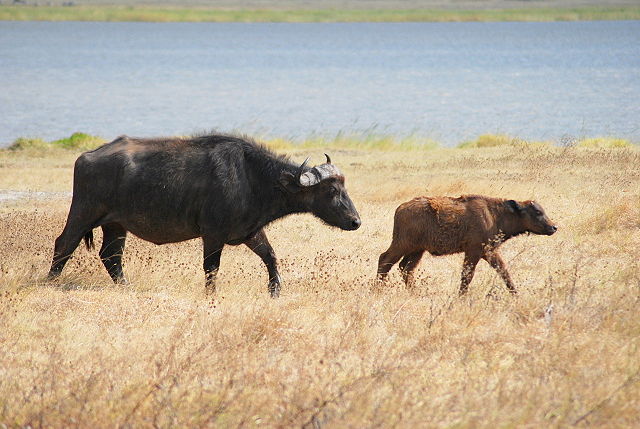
pixel 447 81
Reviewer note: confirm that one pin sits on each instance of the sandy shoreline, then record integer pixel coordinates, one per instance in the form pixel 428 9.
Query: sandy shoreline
pixel 339 4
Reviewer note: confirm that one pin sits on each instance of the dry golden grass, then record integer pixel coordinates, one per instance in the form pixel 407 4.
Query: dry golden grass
pixel 334 350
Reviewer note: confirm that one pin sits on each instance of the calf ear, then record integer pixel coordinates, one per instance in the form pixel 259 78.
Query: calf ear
pixel 513 206
pixel 288 182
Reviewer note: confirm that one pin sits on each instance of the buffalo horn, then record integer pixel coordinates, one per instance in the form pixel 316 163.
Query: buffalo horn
pixel 328 159
pixel 301 170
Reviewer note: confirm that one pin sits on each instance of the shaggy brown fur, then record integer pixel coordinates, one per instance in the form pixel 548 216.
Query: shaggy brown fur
pixel 474 224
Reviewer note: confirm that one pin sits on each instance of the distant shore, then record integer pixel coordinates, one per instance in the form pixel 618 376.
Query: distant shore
pixel 117 13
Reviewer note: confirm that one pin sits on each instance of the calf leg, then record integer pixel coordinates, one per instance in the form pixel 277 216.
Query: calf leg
pixel 260 245
pixel 408 265
pixel 212 252
pixel 113 238
pixel 387 260
pixel 495 260
pixel 468 268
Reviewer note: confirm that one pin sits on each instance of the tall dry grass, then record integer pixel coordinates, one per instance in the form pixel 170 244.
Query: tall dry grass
pixel 334 350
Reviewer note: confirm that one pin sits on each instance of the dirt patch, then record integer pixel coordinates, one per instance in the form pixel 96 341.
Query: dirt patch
pixel 7 196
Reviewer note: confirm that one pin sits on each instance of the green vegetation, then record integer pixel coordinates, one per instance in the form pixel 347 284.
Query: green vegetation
pixel 79 140
pixel 26 143
pixel 76 141
pixel 178 14
pixel 604 142
pixel 368 140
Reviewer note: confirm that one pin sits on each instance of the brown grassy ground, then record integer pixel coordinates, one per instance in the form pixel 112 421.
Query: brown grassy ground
pixel 334 351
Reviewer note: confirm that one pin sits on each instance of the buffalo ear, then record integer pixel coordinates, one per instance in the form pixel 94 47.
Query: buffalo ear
pixel 288 181
pixel 514 206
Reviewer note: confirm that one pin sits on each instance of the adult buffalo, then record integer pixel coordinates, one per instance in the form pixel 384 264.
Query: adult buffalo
pixel 222 188
pixel 474 224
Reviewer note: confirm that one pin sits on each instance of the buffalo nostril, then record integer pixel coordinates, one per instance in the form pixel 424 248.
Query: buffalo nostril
pixel 356 223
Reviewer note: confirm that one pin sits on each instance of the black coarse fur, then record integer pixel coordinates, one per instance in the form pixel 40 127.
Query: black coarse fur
pixel 223 188
pixel 263 169
pixel 268 163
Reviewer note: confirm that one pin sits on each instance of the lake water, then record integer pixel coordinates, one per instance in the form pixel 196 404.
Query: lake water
pixel 446 81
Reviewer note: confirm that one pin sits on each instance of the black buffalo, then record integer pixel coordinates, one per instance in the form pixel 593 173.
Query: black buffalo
pixel 222 188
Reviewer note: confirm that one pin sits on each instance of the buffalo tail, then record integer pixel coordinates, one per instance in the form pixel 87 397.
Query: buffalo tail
pixel 88 240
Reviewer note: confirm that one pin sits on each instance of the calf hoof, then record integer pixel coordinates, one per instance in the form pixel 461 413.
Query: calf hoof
pixel 381 277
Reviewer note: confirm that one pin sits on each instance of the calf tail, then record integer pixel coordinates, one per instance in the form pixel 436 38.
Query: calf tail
pixel 88 240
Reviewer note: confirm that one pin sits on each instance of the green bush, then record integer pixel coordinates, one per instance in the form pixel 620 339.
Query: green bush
pixel 23 143
pixel 77 141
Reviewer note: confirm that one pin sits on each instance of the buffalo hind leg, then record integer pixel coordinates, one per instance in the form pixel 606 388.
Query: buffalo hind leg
pixel 260 245
pixel 113 239
pixel 211 263
pixel 495 260
pixel 68 240
pixel 387 260
pixel 408 265
pixel 468 268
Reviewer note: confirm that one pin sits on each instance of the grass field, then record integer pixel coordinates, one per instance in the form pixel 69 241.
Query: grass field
pixel 335 350
pixel 203 14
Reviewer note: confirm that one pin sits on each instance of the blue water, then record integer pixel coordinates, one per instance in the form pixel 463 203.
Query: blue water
pixel 446 81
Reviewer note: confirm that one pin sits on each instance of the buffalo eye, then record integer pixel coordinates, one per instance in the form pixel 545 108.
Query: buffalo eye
pixel 333 191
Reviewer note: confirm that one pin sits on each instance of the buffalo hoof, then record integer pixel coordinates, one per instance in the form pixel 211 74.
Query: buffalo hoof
pixel 122 281
pixel 274 287
pixel 52 276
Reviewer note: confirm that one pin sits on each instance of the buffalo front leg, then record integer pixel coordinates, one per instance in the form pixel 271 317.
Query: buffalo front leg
pixel 78 224
pixel 212 252
pixel 113 239
pixel 468 268
pixel 495 260
pixel 260 245
pixel 65 244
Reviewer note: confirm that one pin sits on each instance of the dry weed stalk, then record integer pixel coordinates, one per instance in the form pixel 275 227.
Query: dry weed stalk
pixel 83 352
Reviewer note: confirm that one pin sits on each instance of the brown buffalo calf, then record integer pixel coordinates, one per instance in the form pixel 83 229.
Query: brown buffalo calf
pixel 473 224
